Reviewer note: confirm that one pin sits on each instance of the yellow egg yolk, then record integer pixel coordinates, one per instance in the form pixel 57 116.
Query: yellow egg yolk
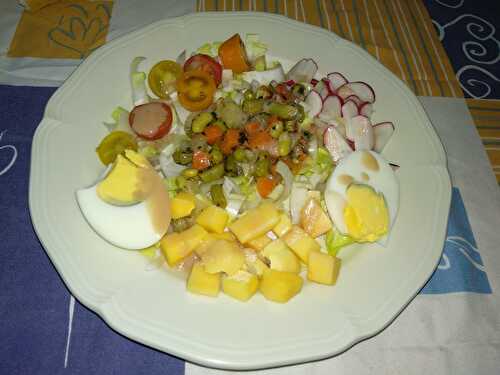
pixel 366 214
pixel 126 184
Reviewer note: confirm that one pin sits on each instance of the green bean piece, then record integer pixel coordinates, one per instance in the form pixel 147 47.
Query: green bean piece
pixel 299 89
pixel 232 167
pixel 213 173
pixel 217 195
pixel 252 106
pixel 262 165
pixel 182 157
pixel 201 121
pixel 284 144
pixel 284 111
pixel 216 155
pixel 248 95
pixel 301 115
pixel 276 129
pixel 240 154
pixel 181 181
pixel 291 126
pixel 190 172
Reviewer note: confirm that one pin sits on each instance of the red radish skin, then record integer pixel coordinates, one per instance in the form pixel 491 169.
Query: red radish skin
pixel 361 89
pixel 382 133
pixel 355 99
pixel 336 80
pixel 336 144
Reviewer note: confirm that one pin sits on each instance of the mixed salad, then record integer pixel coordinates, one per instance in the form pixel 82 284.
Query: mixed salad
pixel 243 173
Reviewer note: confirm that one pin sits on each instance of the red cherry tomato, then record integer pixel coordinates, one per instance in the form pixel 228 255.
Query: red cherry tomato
pixel 206 64
pixel 151 120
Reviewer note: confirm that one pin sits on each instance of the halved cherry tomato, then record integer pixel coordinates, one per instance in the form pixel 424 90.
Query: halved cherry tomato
pixel 206 64
pixel 162 77
pixel 233 55
pixel 196 90
pixel 151 120
pixel 113 144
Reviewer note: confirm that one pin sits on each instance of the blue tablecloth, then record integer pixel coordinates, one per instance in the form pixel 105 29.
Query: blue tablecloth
pixel 44 331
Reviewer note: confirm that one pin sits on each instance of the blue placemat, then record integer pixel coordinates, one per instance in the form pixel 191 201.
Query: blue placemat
pixel 44 331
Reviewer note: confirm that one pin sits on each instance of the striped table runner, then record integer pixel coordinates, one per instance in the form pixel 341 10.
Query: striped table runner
pixel 398 33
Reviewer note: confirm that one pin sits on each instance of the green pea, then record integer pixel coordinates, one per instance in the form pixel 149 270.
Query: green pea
pixel 301 115
pixel 201 121
pixel 217 195
pixel 284 144
pixel 213 173
pixel 190 173
pixel 299 89
pixel 182 223
pixel 216 155
pixel 248 95
pixel 231 166
pixel 276 129
pixel 240 154
pixel 181 181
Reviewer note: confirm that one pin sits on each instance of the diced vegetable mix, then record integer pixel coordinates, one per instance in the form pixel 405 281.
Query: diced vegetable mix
pixel 245 154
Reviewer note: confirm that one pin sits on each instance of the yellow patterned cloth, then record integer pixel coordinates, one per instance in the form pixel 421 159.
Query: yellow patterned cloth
pixel 65 29
pixel 398 33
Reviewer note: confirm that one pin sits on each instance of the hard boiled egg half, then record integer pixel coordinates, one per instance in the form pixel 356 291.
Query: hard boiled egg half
pixel 130 206
pixel 362 197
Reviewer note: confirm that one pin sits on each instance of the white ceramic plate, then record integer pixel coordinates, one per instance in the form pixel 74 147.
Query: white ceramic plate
pixel 153 307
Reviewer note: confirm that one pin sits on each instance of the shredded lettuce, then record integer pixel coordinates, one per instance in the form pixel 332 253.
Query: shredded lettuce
pixel 210 49
pixel 254 47
pixel 336 240
pixel 149 152
pixel 138 81
pixel 120 121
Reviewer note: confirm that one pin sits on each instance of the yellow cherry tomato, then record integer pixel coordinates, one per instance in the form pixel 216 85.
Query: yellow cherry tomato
pixel 196 89
pixel 162 77
pixel 113 144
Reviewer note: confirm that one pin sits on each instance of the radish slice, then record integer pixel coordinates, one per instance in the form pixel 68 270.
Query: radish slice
pixel 322 88
pixel 314 103
pixel 349 110
pixel 303 71
pixel 355 99
pixel 362 132
pixel 394 167
pixel 336 80
pixel 331 108
pixel 360 89
pixel 382 133
pixel 366 109
pixel 336 144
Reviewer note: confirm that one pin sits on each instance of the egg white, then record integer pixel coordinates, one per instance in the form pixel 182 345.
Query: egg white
pixel 382 181
pixel 128 227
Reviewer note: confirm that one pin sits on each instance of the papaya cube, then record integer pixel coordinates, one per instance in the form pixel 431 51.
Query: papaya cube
pixel 177 246
pixel 256 222
pixel 323 268
pixel 210 238
pixel 253 263
pixel 202 282
pixel 283 226
pixel 301 243
pixel 223 256
pixel 241 286
pixel 182 205
pixel 259 243
pixel 280 286
pixel 281 257
pixel 213 219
